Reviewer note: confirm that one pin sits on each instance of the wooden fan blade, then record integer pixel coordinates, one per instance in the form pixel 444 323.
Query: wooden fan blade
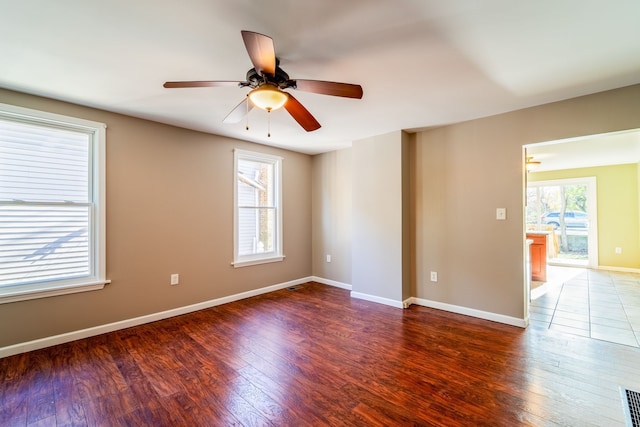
pixel 301 114
pixel 204 83
pixel 261 51
pixel 239 112
pixel 346 90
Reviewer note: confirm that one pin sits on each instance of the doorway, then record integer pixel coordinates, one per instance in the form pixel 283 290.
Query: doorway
pixel 610 163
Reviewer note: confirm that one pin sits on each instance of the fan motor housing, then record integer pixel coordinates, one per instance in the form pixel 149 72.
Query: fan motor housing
pixel 280 79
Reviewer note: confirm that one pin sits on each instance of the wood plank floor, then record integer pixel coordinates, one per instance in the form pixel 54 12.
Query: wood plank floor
pixel 316 357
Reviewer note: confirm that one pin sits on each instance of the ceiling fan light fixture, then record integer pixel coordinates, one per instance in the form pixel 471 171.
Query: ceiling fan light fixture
pixel 268 97
pixel 268 81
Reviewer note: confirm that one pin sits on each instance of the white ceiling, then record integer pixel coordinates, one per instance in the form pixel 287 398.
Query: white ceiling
pixel 614 148
pixel 421 63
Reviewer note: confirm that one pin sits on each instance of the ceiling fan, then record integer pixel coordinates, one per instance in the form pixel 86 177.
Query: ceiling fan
pixel 268 81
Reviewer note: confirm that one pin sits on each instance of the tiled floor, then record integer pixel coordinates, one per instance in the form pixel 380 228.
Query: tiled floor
pixel 603 305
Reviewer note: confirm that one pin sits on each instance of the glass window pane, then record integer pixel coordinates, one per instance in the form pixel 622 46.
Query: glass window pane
pixel 255 183
pixel 257 230
pixel 44 164
pixel 43 243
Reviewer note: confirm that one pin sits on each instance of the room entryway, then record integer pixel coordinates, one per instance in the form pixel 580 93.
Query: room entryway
pixel 598 304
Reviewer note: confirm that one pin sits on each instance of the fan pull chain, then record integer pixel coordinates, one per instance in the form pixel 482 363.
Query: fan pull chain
pixel 269 123
pixel 247 115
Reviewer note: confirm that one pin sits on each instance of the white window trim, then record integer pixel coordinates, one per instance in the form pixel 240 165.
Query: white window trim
pixel 98 181
pixel 255 259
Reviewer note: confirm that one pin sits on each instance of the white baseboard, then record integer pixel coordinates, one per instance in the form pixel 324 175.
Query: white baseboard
pixel 620 269
pixel 404 304
pixel 330 282
pixel 379 300
pixel 110 327
pixel 599 267
pixel 500 318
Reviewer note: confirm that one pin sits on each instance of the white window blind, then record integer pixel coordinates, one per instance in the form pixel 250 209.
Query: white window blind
pixel 258 216
pixel 51 215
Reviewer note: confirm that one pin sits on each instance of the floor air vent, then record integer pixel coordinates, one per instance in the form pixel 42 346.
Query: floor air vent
pixel 294 288
pixel 631 407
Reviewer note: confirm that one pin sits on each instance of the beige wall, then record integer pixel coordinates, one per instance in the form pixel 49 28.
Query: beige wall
pixel 408 230
pixel 460 174
pixel 379 233
pixel 465 171
pixel 169 210
pixel 331 206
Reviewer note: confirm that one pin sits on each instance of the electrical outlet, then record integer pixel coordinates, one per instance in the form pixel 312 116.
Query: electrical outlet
pixel 501 214
pixel 618 250
pixel 434 276
pixel 175 279
pixel 328 258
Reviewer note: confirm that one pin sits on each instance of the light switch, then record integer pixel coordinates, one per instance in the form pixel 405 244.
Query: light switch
pixel 501 213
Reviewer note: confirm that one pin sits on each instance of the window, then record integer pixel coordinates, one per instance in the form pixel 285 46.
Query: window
pixel 52 222
pixel 258 213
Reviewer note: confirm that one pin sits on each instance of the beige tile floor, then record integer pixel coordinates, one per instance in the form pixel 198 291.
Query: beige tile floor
pixel 603 305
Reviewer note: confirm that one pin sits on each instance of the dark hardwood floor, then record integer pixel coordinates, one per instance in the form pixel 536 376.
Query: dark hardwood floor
pixel 314 357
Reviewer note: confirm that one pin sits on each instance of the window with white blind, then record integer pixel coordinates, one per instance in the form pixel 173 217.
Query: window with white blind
pixel 51 204
pixel 258 211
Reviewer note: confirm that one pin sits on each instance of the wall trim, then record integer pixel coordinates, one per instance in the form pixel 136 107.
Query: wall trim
pixel 330 282
pixel 136 321
pixel 500 318
pixel 379 300
pixel 620 269
pixel 601 268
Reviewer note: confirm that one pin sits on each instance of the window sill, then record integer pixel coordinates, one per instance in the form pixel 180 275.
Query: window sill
pixel 23 293
pixel 238 264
